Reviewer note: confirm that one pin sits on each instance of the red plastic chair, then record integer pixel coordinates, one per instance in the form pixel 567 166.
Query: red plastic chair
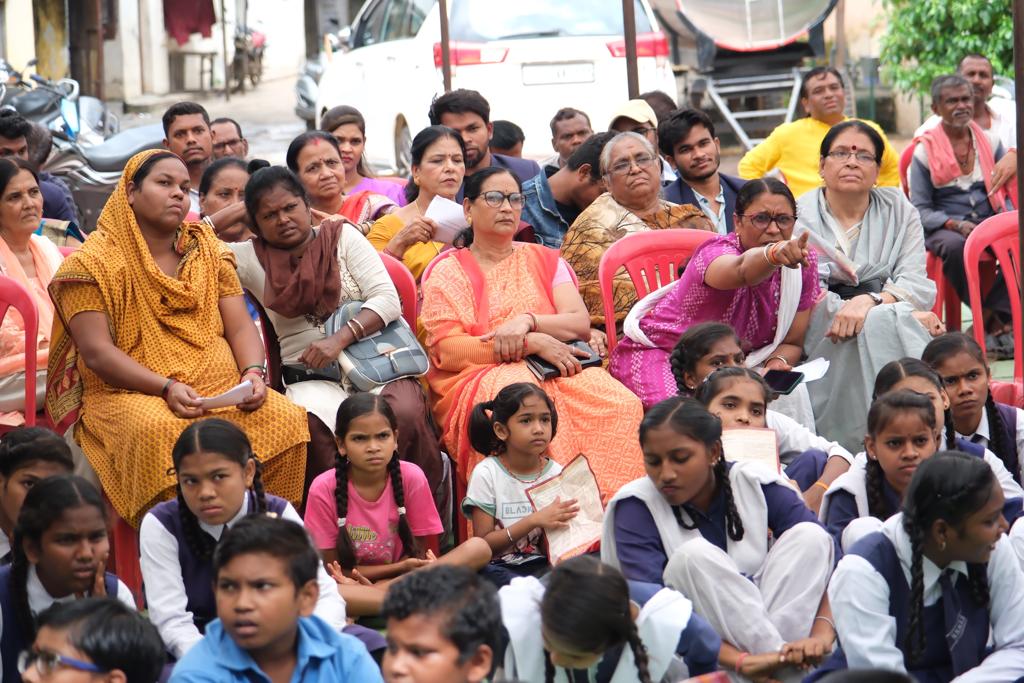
pixel 13 294
pixel 652 259
pixel 945 295
pixel 905 158
pixel 998 234
pixel 405 283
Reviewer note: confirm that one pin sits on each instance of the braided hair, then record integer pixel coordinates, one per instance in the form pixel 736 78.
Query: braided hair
pixel 502 407
pixel 44 505
pixel 950 486
pixel 586 606
pixel 694 344
pixel 883 410
pixel 226 439
pixel 689 418
pixel 950 344
pixel 893 372
pixel 356 406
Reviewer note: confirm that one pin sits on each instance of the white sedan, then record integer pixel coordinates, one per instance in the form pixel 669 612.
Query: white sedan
pixel 529 58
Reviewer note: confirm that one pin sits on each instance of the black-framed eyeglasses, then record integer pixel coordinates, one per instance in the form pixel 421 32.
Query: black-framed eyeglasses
pixel 495 199
pixel 221 146
pixel 47 662
pixel 762 220
pixel 843 155
pixel 643 161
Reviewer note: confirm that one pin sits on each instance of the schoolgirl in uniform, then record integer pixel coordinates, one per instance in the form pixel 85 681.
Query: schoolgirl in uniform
pixel 739 397
pixel 964 370
pixel 702 526
pixel 924 594
pixel 901 435
pixel 218 484
pixel 590 624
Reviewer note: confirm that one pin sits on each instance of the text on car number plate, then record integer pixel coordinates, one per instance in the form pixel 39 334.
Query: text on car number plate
pixel 540 74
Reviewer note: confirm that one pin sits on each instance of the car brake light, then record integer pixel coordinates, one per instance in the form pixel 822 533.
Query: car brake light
pixel 466 54
pixel 647 45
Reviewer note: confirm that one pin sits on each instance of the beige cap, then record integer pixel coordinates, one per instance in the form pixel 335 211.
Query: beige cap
pixel 635 110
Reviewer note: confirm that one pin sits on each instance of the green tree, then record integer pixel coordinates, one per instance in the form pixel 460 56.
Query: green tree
pixel 927 38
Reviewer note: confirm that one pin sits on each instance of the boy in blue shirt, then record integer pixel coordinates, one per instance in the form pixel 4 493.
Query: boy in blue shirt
pixel 266 589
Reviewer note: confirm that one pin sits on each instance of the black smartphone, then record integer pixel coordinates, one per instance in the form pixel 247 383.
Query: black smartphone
pixel 783 381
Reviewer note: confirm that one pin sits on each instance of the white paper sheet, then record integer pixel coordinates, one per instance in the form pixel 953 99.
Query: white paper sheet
pixel 576 481
pixel 847 269
pixel 231 397
pixel 752 445
pixel 449 216
pixel 813 369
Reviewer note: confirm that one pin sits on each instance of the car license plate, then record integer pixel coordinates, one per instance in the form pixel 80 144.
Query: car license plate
pixel 543 74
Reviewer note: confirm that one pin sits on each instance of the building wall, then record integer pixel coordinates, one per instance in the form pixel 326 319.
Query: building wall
pixel 19 32
pixel 51 38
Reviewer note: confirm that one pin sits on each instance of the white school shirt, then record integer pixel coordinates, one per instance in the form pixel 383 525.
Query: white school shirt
pixel 166 599
pixel 984 433
pixel 502 495
pixel 39 599
pixel 793 436
pixel 859 598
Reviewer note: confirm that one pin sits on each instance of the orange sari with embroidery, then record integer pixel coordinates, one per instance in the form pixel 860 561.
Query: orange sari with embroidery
pixel 597 416
pixel 173 326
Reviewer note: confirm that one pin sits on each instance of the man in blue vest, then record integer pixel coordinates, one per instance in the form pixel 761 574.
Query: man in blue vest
pixel 687 141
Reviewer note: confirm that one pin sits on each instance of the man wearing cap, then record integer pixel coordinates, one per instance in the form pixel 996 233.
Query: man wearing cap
pixel 794 148
pixel 636 116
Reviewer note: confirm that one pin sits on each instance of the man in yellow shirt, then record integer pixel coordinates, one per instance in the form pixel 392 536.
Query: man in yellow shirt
pixel 795 148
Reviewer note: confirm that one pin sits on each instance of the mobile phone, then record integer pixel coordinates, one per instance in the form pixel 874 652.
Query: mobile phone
pixel 783 381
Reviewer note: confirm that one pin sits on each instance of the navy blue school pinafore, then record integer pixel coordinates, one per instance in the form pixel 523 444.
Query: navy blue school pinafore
pixel 13 641
pixel 935 664
pixel 196 573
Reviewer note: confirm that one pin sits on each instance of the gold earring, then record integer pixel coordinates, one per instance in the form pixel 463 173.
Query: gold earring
pixel 942 549
pixel 469 221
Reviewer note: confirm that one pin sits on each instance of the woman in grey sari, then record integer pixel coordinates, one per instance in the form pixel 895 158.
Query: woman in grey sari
pixel 877 307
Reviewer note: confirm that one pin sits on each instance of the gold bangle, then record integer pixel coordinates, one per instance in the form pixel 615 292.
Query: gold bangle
pixel 352 329
pixel 510 539
pixel 822 484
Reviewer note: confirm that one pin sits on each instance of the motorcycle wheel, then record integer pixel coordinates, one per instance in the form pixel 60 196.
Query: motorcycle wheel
pixel 256 70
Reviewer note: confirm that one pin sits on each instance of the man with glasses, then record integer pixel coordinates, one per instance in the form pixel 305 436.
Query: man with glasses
pixel 794 148
pixel 629 165
pixel 227 139
pixel 636 116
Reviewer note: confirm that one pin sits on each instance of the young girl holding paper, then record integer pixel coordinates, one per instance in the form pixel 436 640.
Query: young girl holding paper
pixel 702 526
pixel 739 397
pixel 514 429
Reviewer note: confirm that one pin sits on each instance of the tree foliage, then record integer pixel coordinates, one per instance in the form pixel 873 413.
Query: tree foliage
pixel 927 38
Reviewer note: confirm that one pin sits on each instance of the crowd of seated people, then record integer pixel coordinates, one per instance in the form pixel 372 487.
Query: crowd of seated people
pixel 358 471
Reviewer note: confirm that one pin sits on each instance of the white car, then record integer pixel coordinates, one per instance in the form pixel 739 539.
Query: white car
pixel 529 58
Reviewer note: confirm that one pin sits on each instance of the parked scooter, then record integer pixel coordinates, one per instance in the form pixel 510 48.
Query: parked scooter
pixel 92 171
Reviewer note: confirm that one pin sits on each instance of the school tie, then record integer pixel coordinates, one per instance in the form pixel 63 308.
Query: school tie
pixel 978 438
pixel 960 647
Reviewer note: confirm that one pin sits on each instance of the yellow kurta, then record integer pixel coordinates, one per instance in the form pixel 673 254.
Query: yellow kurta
pixel 173 327
pixel 416 257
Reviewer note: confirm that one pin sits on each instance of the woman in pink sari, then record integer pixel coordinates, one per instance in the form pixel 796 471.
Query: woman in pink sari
pixel 488 306
pixel 31 261
pixel 756 279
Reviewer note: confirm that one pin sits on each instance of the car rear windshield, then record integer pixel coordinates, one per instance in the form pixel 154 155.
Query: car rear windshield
pixel 477 20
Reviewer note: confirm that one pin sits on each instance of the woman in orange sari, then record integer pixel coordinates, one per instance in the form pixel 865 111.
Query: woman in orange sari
pixel 150 317
pixel 316 158
pixel 489 305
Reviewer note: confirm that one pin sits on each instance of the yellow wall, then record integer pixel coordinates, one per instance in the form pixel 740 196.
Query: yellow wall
pixel 51 38
pixel 19 32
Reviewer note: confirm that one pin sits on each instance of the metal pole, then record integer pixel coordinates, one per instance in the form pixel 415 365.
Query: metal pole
pixel 446 58
pixel 224 46
pixel 1018 79
pixel 629 34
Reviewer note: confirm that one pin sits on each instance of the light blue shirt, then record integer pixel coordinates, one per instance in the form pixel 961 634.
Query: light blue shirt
pixel 721 225
pixel 323 655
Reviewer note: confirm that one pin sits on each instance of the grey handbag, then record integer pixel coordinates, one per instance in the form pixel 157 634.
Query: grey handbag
pixel 373 361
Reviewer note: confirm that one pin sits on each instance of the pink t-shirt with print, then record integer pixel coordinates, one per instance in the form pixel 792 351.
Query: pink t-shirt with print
pixel 373 525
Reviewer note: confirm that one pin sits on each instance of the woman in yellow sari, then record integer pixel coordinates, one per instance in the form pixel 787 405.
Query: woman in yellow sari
pixel 489 305
pixel 150 317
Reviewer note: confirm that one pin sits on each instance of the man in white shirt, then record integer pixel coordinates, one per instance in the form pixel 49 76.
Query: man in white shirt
pixel 997 114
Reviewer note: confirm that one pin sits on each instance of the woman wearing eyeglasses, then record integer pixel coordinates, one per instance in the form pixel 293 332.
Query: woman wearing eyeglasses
pixel 884 312
pixel 758 279
pixel 491 303
pixel 629 164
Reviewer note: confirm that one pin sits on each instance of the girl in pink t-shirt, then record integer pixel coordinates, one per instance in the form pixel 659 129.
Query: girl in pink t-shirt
pixel 373 512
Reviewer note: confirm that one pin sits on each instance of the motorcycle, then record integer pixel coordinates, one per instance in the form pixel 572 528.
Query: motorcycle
pixel 57 105
pixel 250 45
pixel 92 171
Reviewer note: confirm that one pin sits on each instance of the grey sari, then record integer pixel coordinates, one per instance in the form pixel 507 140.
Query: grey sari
pixel 888 244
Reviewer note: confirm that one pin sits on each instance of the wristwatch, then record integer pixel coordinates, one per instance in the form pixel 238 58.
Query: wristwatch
pixel 876 297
